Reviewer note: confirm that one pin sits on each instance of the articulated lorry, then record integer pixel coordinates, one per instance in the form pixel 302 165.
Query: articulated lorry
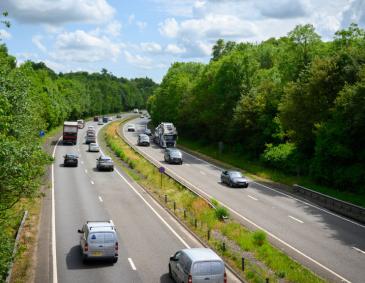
pixel 165 135
pixel 70 130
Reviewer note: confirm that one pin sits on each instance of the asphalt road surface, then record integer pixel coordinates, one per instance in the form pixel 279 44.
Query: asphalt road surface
pixel 148 235
pixel 329 244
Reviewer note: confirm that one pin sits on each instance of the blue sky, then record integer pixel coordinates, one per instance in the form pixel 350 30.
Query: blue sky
pixel 143 38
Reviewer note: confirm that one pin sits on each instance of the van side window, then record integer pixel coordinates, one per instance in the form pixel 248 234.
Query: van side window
pixel 185 262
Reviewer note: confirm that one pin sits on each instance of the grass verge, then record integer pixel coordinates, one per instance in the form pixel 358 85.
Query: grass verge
pixel 257 170
pixel 228 238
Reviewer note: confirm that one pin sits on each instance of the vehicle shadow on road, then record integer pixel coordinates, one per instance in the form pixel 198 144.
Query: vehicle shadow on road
pixel 74 260
pixel 165 278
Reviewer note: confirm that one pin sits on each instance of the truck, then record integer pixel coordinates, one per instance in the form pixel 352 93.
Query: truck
pixel 81 123
pixel 165 135
pixel 70 130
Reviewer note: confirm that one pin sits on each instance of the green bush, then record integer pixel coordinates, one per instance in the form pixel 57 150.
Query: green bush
pixel 221 212
pixel 259 238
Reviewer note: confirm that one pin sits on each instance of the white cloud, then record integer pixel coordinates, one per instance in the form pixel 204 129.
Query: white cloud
pixel 174 49
pixel 282 9
pixel 114 28
pixel 141 62
pixel 354 13
pixel 141 25
pixel 169 27
pixel 58 12
pixel 37 40
pixel 131 18
pixel 151 47
pixel 80 46
pixel 4 34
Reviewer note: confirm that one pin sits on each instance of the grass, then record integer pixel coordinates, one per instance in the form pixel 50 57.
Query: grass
pixel 261 258
pixel 257 170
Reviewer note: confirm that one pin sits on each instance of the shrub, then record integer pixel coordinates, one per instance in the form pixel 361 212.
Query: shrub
pixel 221 212
pixel 259 238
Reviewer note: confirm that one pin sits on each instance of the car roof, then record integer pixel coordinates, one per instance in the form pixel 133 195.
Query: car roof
pixel 105 157
pixel 233 171
pixel 173 149
pixel 143 136
pixel 71 154
pixel 93 143
pixel 201 254
pixel 100 225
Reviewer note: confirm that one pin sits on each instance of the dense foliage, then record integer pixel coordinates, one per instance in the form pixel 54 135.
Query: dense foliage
pixel 296 103
pixel 35 98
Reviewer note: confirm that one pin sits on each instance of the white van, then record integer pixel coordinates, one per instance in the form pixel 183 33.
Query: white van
pixel 99 240
pixel 198 265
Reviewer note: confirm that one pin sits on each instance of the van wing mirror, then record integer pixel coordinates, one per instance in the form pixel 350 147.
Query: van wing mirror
pixel 80 231
pixel 172 258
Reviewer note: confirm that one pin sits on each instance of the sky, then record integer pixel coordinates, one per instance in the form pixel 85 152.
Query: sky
pixel 138 38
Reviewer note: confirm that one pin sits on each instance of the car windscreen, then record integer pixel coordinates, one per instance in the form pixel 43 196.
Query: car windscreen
pixel 235 175
pixel 169 137
pixel 205 268
pixel 101 238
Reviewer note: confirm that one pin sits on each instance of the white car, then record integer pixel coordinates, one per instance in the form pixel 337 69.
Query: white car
pixel 131 128
pixel 100 122
pixel 94 147
pixel 91 128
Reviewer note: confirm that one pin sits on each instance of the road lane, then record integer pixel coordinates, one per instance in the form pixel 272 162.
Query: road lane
pixel 322 237
pixel 145 239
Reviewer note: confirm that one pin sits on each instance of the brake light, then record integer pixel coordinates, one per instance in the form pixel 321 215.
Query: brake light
pixel 190 279
pixel 86 247
pixel 116 246
pixel 225 277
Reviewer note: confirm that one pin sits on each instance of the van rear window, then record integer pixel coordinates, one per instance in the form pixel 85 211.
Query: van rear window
pixel 101 238
pixel 208 268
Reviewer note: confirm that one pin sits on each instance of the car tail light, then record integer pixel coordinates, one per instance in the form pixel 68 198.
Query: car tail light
pixel 86 247
pixel 116 246
pixel 225 277
pixel 190 279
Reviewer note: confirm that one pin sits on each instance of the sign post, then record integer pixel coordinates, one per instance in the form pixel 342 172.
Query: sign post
pixel 162 171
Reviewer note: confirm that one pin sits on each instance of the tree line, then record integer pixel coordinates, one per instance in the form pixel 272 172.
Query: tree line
pixel 34 98
pixel 296 103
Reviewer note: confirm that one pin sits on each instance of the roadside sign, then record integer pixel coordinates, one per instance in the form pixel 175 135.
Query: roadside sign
pixel 41 133
pixel 161 169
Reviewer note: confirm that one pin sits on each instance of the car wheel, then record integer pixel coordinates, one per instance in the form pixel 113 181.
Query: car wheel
pixel 230 184
pixel 112 169
pixel 115 260
pixel 170 273
pixel 181 162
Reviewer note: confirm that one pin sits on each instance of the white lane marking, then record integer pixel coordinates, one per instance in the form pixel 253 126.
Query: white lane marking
pixel 54 251
pixel 86 171
pixel 82 162
pixel 202 172
pixel 357 249
pixel 252 197
pixel 258 226
pixel 279 192
pixel 132 264
pixel 100 199
pixel 186 164
pixel 296 219
pixel 92 182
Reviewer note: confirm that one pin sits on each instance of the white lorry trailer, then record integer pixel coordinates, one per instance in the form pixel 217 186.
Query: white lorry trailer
pixel 165 135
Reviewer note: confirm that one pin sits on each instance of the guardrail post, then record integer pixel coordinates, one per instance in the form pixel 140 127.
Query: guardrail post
pixel 174 206
pixel 196 223
pixel 223 246
pixel 208 236
pixel 165 198
pixel 184 213
pixel 243 263
pixel 267 280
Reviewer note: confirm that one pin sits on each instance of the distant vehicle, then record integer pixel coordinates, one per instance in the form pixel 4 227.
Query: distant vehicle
pixel 91 128
pixel 110 118
pixel 96 118
pixel 234 179
pixel 142 116
pixel 93 147
pixel 165 135
pixel 99 240
pixel 197 265
pixel 135 110
pixel 70 159
pixel 147 132
pixel 105 119
pixel 104 163
pixel 70 130
pixel 143 140
pixel 173 155
pixel 119 116
pixel 81 124
pixel 131 128
pixel 100 122
pixel 90 139
pixel 91 132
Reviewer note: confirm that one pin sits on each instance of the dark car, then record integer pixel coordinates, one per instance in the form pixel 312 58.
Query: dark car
pixel 70 159
pixel 234 179
pixel 104 163
pixel 105 119
pixel 147 132
pixel 96 118
pixel 173 155
pixel 119 116
pixel 143 140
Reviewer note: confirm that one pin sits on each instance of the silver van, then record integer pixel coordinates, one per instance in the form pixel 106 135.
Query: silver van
pixel 198 265
pixel 99 240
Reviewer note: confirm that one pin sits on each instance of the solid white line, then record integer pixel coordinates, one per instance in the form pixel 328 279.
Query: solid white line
pixel 296 219
pixel 132 264
pixel 86 171
pixel 82 162
pixel 258 226
pixel 252 197
pixel 186 164
pixel 54 251
pixel 357 249
pixel 100 199
pixel 92 182
pixel 154 211
pixel 279 192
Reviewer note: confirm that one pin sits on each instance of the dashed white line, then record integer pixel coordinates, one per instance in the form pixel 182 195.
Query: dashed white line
pixel 202 172
pixel 186 164
pixel 252 197
pixel 296 219
pixel 86 171
pixel 92 182
pixel 100 198
pixel 82 162
pixel 132 264
pixel 357 249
